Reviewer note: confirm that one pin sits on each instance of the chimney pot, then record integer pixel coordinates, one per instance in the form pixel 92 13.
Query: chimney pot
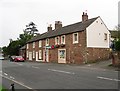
pixel 49 27
pixel 58 24
pixel 84 17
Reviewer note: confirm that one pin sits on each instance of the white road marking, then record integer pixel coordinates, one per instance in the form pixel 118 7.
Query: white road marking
pixel 105 78
pixel 61 71
pixel 12 77
pixel 5 74
pixel 19 64
pixel 17 82
pixel 35 67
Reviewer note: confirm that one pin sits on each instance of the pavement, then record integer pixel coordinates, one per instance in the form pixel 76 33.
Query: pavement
pixel 106 64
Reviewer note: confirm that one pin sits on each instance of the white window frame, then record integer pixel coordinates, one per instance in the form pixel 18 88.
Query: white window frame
pixel 47 42
pixel 40 54
pixel 62 42
pixel 27 46
pixel 57 42
pixel 74 42
pixel 40 43
pixel 33 54
pixel 33 44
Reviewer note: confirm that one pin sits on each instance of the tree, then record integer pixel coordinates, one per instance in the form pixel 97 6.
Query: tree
pixel 15 45
pixel 31 29
pixel 117 28
pixel 117 42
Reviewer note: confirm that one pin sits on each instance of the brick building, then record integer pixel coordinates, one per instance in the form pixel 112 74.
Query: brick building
pixel 80 42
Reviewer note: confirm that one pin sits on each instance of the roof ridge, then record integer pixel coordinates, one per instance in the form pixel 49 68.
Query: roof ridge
pixel 75 27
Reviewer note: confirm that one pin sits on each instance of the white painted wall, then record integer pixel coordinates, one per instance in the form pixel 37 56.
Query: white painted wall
pixel 95 34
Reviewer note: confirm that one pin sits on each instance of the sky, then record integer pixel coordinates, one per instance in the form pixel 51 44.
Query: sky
pixel 16 14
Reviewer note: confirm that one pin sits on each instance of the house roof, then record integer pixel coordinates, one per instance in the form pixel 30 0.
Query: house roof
pixel 76 27
pixel 22 48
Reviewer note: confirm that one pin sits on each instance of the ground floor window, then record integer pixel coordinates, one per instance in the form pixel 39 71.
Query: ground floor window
pixel 62 56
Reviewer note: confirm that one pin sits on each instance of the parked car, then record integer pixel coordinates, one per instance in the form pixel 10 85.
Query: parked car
pixel 19 59
pixel 2 58
pixel 12 58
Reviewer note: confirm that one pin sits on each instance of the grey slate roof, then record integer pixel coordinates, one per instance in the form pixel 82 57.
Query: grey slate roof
pixel 76 27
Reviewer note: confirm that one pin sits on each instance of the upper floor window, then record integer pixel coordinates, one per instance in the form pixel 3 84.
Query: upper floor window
pixel 33 44
pixel 63 39
pixel 47 42
pixel 57 40
pixel 27 46
pixel 105 36
pixel 75 38
pixel 40 43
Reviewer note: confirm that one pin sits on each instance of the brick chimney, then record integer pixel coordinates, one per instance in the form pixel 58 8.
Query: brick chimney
pixel 58 24
pixel 84 17
pixel 49 28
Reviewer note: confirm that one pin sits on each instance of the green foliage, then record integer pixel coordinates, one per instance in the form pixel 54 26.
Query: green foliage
pixel 117 45
pixel 14 46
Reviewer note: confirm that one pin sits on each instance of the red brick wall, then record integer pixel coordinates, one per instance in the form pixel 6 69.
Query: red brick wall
pixel 95 54
pixel 53 53
pixel 75 53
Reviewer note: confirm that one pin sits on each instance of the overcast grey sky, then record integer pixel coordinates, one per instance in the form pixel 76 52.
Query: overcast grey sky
pixel 15 14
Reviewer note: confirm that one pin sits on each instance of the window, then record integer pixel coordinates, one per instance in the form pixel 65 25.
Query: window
pixel 75 38
pixel 57 40
pixel 47 42
pixel 40 43
pixel 105 36
pixel 27 46
pixel 33 44
pixel 63 39
pixel 62 54
pixel 40 54
pixel 33 54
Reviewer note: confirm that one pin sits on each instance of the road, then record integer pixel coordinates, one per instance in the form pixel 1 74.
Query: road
pixel 32 75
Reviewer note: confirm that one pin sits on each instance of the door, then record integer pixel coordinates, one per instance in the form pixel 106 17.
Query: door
pixel 46 55
pixel 62 56
pixel 37 56
pixel 30 56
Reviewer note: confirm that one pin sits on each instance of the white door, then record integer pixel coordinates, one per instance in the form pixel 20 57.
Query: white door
pixel 62 56
pixel 37 56
pixel 46 55
pixel 30 56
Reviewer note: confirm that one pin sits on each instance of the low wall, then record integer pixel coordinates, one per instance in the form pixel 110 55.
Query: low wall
pixel 97 54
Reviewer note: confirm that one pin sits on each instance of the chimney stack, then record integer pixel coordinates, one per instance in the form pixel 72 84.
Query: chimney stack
pixel 84 17
pixel 49 28
pixel 58 25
